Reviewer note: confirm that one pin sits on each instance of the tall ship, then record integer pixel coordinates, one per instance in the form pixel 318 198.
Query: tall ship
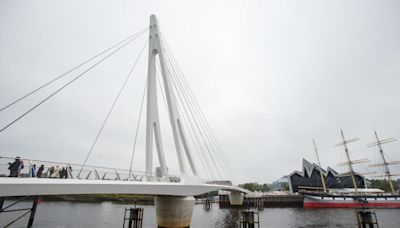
pixel 359 196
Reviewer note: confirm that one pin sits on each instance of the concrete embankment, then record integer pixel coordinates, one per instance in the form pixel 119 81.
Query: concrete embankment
pixel 264 201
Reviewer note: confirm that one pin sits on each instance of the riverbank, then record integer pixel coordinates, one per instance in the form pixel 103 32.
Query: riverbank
pixel 99 198
pixel 264 201
pixel 223 200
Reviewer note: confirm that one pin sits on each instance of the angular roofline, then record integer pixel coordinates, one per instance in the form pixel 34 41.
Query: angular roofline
pixel 308 167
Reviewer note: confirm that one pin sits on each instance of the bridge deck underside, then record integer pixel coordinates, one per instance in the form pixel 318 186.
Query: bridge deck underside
pixel 38 186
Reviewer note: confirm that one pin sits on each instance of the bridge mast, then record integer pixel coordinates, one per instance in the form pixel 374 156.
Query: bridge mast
pixel 153 124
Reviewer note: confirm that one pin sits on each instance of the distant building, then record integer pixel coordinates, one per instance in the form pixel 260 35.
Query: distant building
pixel 310 178
pixel 281 184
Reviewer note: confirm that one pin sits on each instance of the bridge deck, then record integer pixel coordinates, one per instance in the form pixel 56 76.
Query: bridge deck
pixel 49 186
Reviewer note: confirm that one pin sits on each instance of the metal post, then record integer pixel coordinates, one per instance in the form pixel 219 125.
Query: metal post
pixel 260 204
pixel 30 168
pixel 135 219
pixel 33 211
pixel 207 205
pixel 367 219
pixel 249 219
pixel 1 203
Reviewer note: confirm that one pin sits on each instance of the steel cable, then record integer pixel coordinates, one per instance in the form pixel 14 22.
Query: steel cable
pixel 197 108
pixel 180 109
pixel 184 101
pixel 188 120
pixel 64 86
pixel 199 124
pixel 73 69
pixel 137 128
pixel 112 107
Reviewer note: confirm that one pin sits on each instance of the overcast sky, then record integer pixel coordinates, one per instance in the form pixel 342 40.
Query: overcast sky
pixel 269 76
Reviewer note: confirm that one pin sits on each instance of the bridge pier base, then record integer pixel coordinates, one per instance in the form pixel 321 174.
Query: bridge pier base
pixel 236 198
pixel 174 211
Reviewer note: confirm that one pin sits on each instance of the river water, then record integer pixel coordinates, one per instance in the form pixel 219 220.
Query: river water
pixel 107 214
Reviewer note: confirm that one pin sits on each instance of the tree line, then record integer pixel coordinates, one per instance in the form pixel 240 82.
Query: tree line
pixel 256 187
pixel 384 184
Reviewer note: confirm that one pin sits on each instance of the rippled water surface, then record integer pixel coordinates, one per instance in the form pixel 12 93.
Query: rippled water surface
pixel 64 214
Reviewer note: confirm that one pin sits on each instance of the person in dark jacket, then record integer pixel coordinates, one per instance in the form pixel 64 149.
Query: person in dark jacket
pixel 40 171
pixel 63 173
pixel 51 171
pixel 19 165
pixel 11 167
pixel 16 167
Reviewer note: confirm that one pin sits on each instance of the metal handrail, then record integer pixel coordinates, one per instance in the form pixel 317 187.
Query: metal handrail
pixel 101 172
pixel 74 164
pixel 119 174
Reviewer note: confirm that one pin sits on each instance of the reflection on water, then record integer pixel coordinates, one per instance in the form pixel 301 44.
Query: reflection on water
pixel 64 214
pixel 224 218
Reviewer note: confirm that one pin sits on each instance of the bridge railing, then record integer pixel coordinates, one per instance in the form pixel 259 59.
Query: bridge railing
pixel 73 171
pixel 219 182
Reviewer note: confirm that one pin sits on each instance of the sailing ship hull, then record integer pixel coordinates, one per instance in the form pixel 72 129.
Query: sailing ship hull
pixel 339 201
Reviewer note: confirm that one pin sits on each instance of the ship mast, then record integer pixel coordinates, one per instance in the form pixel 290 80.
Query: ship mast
pixel 385 162
pixel 319 164
pixel 349 162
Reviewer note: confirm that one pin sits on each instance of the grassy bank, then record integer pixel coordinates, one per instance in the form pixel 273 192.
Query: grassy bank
pixel 98 198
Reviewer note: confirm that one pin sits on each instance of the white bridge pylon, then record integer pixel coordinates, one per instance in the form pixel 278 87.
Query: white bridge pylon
pixel 152 118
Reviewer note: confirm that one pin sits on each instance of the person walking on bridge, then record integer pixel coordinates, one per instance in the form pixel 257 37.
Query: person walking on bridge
pixel 33 170
pixel 56 172
pixel 13 171
pixel 40 171
pixel 50 171
pixel 16 167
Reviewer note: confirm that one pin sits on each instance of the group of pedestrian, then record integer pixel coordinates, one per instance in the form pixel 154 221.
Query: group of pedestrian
pixel 39 173
pixel 56 172
pixel 52 172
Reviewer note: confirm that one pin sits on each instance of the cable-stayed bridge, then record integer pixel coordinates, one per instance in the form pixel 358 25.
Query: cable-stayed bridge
pixel 101 180
pixel 203 167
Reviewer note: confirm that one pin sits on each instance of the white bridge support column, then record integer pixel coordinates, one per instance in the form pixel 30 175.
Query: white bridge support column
pixel 174 211
pixel 152 118
pixel 236 198
pixel 152 124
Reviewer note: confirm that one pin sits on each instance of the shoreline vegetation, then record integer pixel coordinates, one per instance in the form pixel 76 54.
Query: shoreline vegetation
pixel 99 198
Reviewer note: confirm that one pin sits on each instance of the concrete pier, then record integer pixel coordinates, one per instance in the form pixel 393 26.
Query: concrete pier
pixel 236 198
pixel 174 211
